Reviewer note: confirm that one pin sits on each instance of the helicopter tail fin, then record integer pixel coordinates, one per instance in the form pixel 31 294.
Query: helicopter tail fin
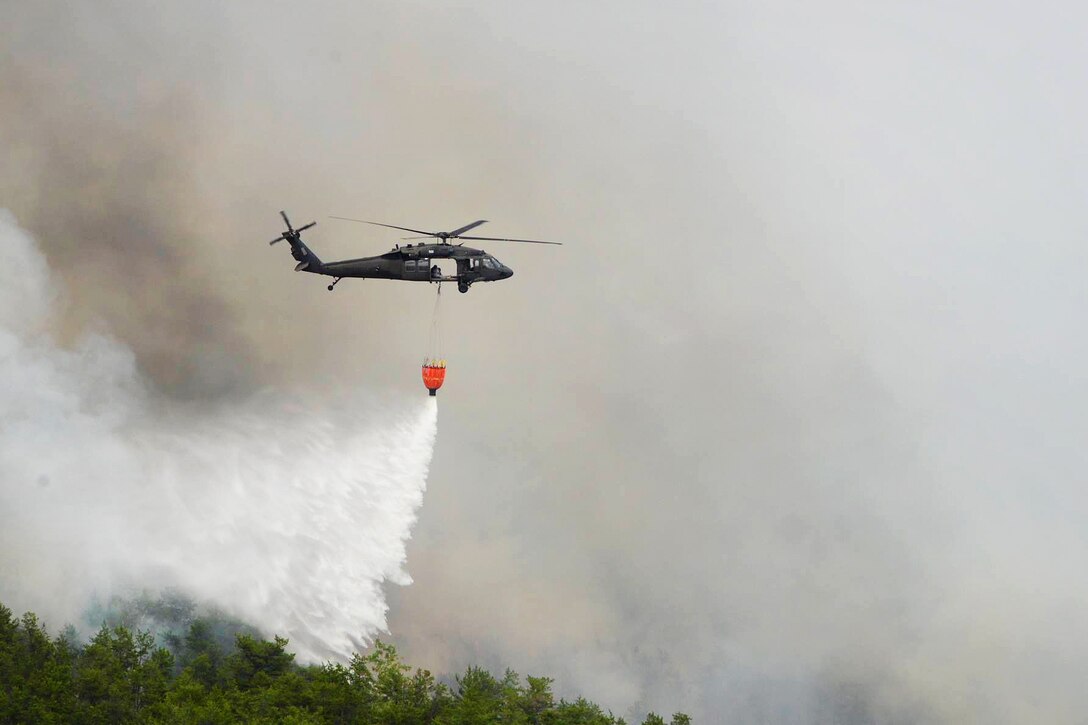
pixel 307 260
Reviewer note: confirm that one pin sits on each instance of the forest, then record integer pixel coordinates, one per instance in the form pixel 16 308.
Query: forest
pixel 128 675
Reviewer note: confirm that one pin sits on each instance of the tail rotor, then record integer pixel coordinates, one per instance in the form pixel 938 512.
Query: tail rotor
pixel 307 260
pixel 292 235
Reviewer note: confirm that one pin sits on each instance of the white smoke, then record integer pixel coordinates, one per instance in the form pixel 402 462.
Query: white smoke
pixel 287 514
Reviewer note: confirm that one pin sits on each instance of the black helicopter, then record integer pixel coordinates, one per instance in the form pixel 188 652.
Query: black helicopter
pixel 411 262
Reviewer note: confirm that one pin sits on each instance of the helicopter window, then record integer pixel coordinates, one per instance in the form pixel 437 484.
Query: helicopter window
pixel 410 265
pixel 475 263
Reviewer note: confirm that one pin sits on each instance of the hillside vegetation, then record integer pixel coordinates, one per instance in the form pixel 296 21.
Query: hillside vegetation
pixel 123 676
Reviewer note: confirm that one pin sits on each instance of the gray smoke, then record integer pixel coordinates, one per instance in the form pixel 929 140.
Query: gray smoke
pixel 789 431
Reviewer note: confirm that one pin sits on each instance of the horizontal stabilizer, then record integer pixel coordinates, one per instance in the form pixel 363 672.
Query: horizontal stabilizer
pixel 301 266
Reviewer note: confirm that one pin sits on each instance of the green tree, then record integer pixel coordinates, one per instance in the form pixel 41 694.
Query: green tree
pixel 36 654
pixel 201 653
pixel 389 695
pixel 330 693
pixel 35 675
pixel 120 676
pixel 100 682
pixel 9 673
pixel 477 699
pixel 538 701
pixel 512 703
pixel 255 662
pixel 583 712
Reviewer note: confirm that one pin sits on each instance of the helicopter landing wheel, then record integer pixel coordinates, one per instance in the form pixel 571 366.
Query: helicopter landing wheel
pixel 330 288
pixel 462 287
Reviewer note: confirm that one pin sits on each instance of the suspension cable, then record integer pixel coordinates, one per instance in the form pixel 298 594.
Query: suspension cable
pixel 435 343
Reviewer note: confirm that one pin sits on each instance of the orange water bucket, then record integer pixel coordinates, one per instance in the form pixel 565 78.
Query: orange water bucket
pixel 433 376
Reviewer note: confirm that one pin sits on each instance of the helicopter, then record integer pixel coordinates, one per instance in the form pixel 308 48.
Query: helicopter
pixel 418 262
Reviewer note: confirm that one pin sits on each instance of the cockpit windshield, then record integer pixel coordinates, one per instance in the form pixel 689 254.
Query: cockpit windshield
pixel 491 263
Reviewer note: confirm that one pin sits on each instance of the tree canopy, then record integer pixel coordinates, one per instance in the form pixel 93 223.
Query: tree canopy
pixel 122 676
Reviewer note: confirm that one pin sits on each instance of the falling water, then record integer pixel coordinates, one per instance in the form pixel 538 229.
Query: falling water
pixel 289 514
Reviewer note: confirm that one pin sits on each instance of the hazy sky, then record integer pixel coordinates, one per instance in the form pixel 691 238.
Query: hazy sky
pixel 791 428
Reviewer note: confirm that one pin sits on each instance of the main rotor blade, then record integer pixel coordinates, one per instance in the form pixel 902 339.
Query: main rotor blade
pixel 500 239
pixel 379 224
pixel 465 228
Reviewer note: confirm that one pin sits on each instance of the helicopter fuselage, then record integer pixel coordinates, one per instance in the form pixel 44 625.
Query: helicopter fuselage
pixel 421 263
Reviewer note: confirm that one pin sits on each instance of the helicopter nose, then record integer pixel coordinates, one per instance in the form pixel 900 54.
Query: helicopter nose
pixel 507 273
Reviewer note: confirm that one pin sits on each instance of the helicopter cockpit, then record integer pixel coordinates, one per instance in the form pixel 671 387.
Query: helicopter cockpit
pixel 487 262
pixel 487 267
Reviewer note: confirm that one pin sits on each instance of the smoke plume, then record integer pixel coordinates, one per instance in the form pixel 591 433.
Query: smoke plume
pixel 791 430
